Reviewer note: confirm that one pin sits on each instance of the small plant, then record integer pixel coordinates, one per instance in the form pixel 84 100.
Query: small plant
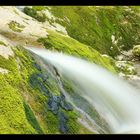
pixel 16 27
pixel 41 17
pixel 2 43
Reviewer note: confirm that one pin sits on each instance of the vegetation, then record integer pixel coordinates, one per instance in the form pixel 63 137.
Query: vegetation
pixel 136 50
pixel 2 43
pixel 34 14
pixel 108 29
pixel 15 26
pixel 58 42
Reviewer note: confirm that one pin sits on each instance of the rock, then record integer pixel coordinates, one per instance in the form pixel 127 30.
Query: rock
pixel 37 66
pixel 43 77
pixel 53 104
pixel 36 83
pixel 136 51
pixel 44 89
pixel 56 71
pixel 63 123
pixel 33 80
pixel 126 67
pixel 66 106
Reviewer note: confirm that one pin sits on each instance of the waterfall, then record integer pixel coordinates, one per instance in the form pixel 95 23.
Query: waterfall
pixel 114 99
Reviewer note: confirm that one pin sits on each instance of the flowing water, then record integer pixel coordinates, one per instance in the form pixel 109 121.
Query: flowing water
pixel 114 99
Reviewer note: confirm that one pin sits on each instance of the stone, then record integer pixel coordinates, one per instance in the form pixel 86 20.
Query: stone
pixel 136 51
pixel 53 104
pixel 125 67
pixel 43 77
pixel 37 66
pixel 63 123
pixel 66 106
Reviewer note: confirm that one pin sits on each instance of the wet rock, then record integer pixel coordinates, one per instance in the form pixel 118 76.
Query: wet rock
pixel 44 89
pixel 56 71
pixel 53 104
pixel 33 80
pixel 63 123
pixel 37 83
pixel 43 77
pixel 37 66
pixel 62 96
pixel 66 106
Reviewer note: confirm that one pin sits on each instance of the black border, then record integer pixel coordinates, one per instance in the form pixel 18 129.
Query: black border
pixel 71 137
pixel 69 2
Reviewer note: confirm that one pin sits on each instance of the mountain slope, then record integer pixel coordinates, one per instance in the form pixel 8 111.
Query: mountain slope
pixel 108 29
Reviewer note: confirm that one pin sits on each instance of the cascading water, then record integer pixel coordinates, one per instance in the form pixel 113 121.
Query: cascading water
pixel 115 100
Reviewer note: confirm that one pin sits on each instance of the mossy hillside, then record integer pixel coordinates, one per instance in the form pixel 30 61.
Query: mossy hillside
pixel 58 42
pixel 108 29
pixel 12 116
pixel 16 86
pixel 29 101
pixel 13 119
pixel 98 24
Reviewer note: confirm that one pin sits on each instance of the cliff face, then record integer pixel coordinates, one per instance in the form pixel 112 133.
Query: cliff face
pixel 31 99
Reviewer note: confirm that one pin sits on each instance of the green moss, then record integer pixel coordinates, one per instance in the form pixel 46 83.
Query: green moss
pixel 136 51
pixel 12 115
pixel 61 43
pixel 31 118
pixel 39 8
pixel 33 13
pixel 16 27
pixel 2 43
pixel 98 24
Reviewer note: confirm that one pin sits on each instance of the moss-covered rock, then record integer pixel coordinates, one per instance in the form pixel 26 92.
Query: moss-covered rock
pixel 15 26
pixel 136 51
